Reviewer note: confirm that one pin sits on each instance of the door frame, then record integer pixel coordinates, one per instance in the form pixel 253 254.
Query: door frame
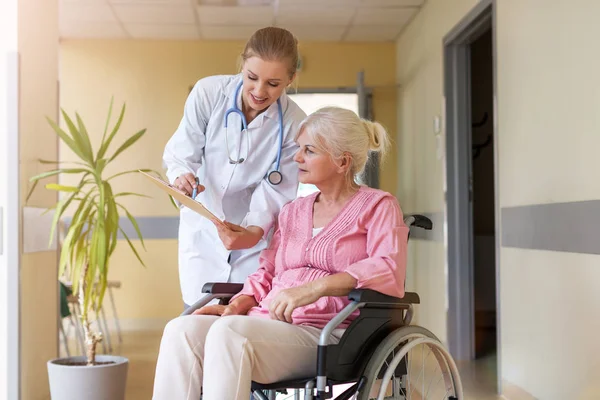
pixel 10 229
pixel 459 238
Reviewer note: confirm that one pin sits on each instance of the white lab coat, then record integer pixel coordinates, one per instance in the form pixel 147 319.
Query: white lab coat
pixel 238 193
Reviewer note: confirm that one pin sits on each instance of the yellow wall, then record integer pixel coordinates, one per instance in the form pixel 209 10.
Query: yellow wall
pixel 154 77
pixel 38 49
pixel 547 139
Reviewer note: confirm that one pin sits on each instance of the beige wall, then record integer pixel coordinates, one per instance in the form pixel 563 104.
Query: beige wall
pixel 420 177
pixel 38 49
pixel 547 138
pixel 154 77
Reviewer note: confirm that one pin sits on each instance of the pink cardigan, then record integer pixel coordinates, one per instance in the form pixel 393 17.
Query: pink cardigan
pixel 367 239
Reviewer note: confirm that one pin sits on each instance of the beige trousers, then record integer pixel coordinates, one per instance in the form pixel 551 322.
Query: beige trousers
pixel 223 355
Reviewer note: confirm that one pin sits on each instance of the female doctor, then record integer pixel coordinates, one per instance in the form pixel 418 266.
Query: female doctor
pixel 234 150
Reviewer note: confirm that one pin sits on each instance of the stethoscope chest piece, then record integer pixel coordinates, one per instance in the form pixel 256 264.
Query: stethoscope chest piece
pixel 274 177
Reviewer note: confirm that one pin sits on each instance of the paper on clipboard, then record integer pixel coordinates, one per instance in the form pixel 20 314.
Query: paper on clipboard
pixel 182 198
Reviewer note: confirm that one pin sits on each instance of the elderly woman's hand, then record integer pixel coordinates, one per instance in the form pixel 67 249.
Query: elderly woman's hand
pixel 235 237
pixel 239 306
pixel 217 309
pixel 286 301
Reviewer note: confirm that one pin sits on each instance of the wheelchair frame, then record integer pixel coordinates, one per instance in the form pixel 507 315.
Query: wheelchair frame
pixel 345 362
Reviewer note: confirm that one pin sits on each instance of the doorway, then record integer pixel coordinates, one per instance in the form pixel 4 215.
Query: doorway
pixel 471 179
pixel 483 195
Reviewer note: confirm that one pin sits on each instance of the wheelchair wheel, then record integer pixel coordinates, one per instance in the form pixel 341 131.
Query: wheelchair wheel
pixel 411 364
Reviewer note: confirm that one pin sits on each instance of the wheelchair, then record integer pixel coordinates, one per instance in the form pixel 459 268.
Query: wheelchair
pixel 377 354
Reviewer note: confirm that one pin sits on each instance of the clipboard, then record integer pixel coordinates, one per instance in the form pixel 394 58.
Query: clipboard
pixel 182 198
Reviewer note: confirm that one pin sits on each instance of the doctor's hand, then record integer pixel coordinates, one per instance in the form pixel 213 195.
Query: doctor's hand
pixel 186 183
pixel 286 301
pixel 235 237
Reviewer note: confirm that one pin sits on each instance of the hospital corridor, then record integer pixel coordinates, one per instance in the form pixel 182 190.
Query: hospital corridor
pixel 299 199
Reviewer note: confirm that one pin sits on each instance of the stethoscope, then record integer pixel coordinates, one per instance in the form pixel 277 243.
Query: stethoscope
pixel 274 177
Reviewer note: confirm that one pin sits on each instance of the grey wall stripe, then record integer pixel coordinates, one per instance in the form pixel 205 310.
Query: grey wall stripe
pixel 570 227
pixel 151 227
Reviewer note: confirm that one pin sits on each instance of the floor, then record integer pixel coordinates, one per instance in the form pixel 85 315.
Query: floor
pixel 141 348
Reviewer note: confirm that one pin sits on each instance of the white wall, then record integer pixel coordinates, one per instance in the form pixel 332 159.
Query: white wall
pixel 548 60
pixel 549 135
pixel 8 43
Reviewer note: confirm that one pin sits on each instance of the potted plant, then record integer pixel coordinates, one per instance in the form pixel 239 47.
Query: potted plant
pixel 86 251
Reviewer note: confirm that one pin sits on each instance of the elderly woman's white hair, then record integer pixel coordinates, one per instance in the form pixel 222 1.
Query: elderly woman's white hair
pixel 339 131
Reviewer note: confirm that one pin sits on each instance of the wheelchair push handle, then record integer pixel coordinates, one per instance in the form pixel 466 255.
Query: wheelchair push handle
pixel 420 221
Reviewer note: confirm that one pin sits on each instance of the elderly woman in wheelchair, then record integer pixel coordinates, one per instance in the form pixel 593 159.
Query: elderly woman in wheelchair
pixel 327 299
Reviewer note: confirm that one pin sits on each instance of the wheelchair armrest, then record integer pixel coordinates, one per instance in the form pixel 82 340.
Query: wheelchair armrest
pixel 215 290
pixel 222 288
pixel 372 297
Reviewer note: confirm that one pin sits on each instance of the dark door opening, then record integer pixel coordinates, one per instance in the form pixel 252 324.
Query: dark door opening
pixel 482 195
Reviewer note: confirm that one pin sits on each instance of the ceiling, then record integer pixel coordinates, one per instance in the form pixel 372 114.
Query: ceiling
pixel 320 20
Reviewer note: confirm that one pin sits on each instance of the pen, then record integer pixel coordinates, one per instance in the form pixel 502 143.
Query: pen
pixel 195 191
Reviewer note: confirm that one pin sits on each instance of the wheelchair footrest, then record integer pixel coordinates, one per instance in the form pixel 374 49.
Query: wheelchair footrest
pixel 291 384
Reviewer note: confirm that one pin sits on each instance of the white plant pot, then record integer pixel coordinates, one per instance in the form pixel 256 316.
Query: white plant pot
pixel 98 382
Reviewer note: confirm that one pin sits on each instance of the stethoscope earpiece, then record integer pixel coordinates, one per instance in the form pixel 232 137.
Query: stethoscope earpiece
pixel 274 177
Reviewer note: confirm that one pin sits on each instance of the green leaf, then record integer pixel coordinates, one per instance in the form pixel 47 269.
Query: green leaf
pixel 101 289
pixel 62 188
pixel 132 246
pixel 130 172
pixel 79 141
pixel 66 251
pixel 60 209
pixel 61 162
pixel 31 191
pixel 95 251
pixel 128 143
pixel 58 171
pixel 105 144
pixel 135 225
pixel 85 137
pixel 110 107
pixel 102 243
pixel 65 138
pixel 100 165
pixel 130 194
pixel 112 218
pixel 80 260
pixel 80 219
pixel 113 242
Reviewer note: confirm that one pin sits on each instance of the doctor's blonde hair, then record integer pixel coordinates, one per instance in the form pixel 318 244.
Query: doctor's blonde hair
pixel 340 132
pixel 273 44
